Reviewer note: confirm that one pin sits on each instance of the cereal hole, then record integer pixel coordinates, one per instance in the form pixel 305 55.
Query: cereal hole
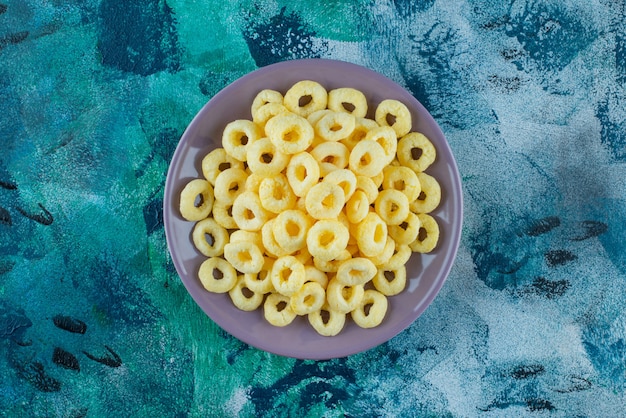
pixel 305 100
pixel 325 316
pixel 393 207
pixel 346 292
pixel 209 238
pixel 403 225
pixel 243 140
pixel 348 106
pixel 266 158
pixel 223 166
pixel 354 272
pixel 366 308
pixel 309 300
pixel 328 201
pixel 379 234
pixel 329 159
pixel 218 274
pixel 389 275
pixel 422 196
pixel 229 211
pixel 390 119
pixel 366 159
pixel 292 228
pixel 336 127
pixel 285 275
pixel 247 293
pixel 233 187
pixel 291 136
pixel 249 215
pixel 399 185
pixel 326 238
pixel 244 256
pixel 422 234
pixel 277 193
pixel 300 173
pixel 416 153
pixel 199 200
pixel 281 305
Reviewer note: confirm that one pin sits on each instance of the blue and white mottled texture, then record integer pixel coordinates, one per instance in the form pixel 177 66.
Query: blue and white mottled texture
pixel 94 97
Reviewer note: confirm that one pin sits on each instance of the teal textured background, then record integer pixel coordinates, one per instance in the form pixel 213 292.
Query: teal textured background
pixel 94 96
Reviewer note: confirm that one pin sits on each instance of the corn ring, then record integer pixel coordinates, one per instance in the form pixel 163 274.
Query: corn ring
pixel 395 114
pixel 355 271
pixel 372 309
pixel 326 321
pixel 267 112
pixel 343 298
pixel 361 127
pixel 238 135
pixel 390 282
pixel 428 235
pixel 403 179
pixel 289 133
pixel 217 161
pixel 331 156
pixel 335 126
pixel 386 138
pixel 357 207
pixel 287 275
pixel 392 206
pixel 302 173
pixel 261 282
pixel 407 231
pixel 217 275
pixel 275 194
pixel 229 184
pixel 364 159
pixel 371 235
pixel 331 266
pixel 345 179
pixel 269 241
pixel 348 100
pixel 196 190
pixel 277 310
pixel 429 197
pixel 326 239
pixel 313 274
pixel 264 159
pixel 400 257
pixel 264 97
pixel 386 254
pixel 209 237
pixel 324 201
pixel 290 229
pixel 416 152
pixel 240 235
pixel 248 212
pixel 315 117
pixel 223 214
pixel 296 98
pixel 243 297
pixel 309 298
pixel 245 257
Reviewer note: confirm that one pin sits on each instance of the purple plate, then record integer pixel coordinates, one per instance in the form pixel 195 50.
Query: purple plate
pixel 425 273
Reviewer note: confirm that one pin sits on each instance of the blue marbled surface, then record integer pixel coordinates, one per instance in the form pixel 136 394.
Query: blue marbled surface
pixel 94 96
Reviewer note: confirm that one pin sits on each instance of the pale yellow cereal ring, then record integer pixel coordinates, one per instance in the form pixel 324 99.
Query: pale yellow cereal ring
pixel 386 138
pixel 313 274
pixel 355 271
pixel 390 282
pixel 264 97
pixel 287 275
pixel 229 184
pixel 315 117
pixel 348 100
pixel 386 254
pixel 269 241
pixel 289 133
pixel 365 158
pixel 331 156
pixel 264 159
pixel 400 257
pixel 290 229
pixel 223 214
pixel 371 311
pixel 416 152
pixel 345 179
pixel 406 232
pixel 367 185
pixel 248 212
pixel 335 126
pixel 309 298
pixel 331 266
pixel 429 197
pixel 371 235
pixel 275 194
pixel 303 172
pixel 403 179
pixel 217 275
pixel 217 161
pixel 357 207
pixel 327 322
pixel 243 297
pixel 196 190
pixel 324 201
pixel 343 298
pixel 245 257
pixel 209 237
pixel 261 282
pixel 305 97
pixel 277 310
pixel 327 239
pixel 267 112
pixel 428 235
pixel 392 206
pixel 361 127
pixel 238 135
pixel 395 114
pixel 241 235
pixel 253 182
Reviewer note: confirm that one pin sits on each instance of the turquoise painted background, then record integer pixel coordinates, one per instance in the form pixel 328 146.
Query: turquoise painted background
pixel 94 96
